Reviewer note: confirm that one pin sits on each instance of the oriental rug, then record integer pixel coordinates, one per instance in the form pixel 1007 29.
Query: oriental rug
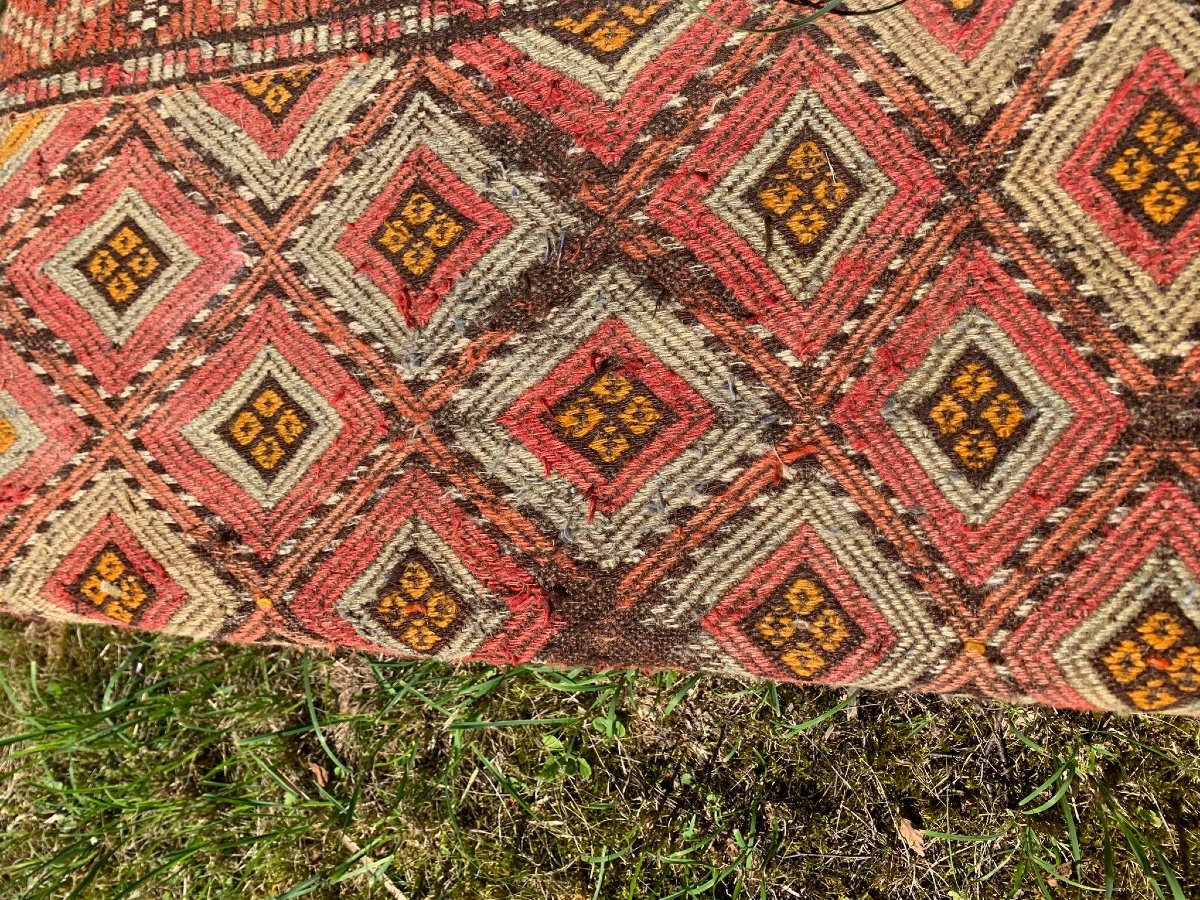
pixel 613 334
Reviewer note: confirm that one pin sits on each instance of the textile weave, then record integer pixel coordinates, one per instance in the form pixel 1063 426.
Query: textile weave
pixel 603 333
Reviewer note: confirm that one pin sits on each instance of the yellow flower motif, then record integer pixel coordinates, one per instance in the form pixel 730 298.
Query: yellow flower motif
pixel 804 660
pixel 1160 630
pixel 1125 662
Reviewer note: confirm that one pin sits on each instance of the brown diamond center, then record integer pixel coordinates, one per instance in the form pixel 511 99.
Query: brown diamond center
pixel 275 93
pixel 416 605
pixel 803 627
pixel 268 429
pixel 610 419
pixel 124 265
pixel 1155 661
pixel 1154 169
pixel 111 585
pixel 605 32
pixel 805 195
pixel 976 415
pixel 420 233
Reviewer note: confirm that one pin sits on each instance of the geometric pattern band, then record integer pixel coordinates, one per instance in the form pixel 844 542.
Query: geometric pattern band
pixel 598 334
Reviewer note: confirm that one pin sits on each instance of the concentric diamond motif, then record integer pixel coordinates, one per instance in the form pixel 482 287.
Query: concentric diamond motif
pixel 1114 169
pixel 609 419
pixel 1123 632
pixel 1137 172
pixel 38 432
pixel 967 51
pixel 819 187
pixel 418 577
pixel 990 426
pixel 426 226
pixel 272 131
pixel 610 431
pixel 602 74
pixel 111 557
pixel 418 239
pixel 121 269
pixel 266 428
pixel 977 416
pixel 797 590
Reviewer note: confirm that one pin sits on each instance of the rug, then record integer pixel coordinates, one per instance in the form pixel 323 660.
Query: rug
pixel 602 334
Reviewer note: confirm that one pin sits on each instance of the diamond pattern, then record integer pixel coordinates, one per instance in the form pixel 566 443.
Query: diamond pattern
pixel 117 310
pixel 1138 172
pixel 278 424
pixel 489 232
pixel 271 130
pixel 977 416
pixel 422 579
pixel 597 333
pixel 114 559
pixel 784 599
pixel 1067 173
pixel 611 67
pixel 1131 640
pixel 609 431
pixel 806 207
pixel 968 54
pixel 945 458
pixel 527 422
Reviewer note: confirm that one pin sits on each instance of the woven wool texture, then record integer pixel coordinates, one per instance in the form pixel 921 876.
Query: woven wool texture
pixel 600 333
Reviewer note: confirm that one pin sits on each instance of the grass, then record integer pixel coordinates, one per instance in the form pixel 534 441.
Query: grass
pixel 140 767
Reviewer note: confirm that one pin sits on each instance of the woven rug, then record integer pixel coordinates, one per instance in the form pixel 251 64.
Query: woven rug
pixel 607 334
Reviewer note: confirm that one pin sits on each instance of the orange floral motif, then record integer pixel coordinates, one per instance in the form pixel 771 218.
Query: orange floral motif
pixel 112 586
pixel 124 265
pixel 277 92
pixel 1156 662
pixel 975 417
pixel 807 193
pixel 268 429
pixel 417 608
pixel 1156 168
pixel 607 32
pixel 804 627
pixel 420 233
pixel 609 417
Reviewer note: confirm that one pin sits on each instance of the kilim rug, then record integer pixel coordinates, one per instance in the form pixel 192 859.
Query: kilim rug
pixel 608 334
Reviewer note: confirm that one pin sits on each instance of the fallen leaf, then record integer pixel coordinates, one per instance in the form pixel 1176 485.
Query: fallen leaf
pixel 913 837
pixel 321 775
